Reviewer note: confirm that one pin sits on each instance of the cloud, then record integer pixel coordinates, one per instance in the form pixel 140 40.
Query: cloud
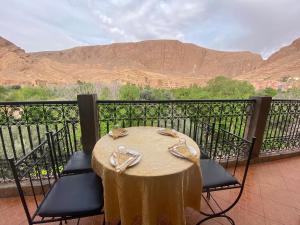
pixel 264 26
pixel 252 25
pixel 152 19
pixel 47 25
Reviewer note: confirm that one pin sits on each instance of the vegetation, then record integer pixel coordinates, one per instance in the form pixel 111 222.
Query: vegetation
pixel 293 93
pixel 129 92
pixel 25 94
pixel 218 88
pixel 267 92
pixel 105 94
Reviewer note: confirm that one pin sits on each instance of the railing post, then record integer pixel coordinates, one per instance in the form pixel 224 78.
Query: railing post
pixel 88 114
pixel 256 123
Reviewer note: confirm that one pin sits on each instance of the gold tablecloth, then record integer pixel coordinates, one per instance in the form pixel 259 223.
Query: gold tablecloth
pixel 157 189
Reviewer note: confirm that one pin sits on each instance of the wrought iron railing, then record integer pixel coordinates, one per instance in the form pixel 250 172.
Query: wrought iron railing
pixel 23 126
pixel 177 114
pixel 282 132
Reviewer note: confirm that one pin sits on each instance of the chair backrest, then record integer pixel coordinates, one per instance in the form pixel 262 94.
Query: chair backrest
pixel 62 147
pixel 34 175
pixel 231 151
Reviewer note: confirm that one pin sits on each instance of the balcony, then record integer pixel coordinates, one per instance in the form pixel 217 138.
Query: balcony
pixel 272 192
pixel 271 197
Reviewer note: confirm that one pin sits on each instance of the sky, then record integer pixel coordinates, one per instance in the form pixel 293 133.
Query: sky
pixel 260 26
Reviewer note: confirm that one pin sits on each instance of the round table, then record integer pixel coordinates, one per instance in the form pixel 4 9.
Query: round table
pixel 155 190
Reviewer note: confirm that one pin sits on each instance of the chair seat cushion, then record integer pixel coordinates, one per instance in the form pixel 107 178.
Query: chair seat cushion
pixel 214 175
pixel 79 162
pixel 74 195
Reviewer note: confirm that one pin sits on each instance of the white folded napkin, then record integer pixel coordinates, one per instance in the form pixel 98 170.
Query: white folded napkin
pixel 184 152
pixel 123 160
pixel 118 132
pixel 168 132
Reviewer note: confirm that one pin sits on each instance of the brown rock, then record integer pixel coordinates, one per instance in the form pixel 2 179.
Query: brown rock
pixel 159 63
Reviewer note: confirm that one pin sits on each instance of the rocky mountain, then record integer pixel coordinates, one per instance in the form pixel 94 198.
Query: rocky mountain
pixel 159 63
pixel 280 67
pixel 12 57
pixel 161 56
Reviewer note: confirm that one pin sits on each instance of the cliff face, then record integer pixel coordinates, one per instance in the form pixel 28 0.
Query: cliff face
pixel 12 57
pixel 8 47
pixel 283 64
pixel 291 51
pixel 161 63
pixel 163 56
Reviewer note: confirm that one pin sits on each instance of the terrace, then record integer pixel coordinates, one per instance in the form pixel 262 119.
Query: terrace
pixel 267 200
pixel 271 194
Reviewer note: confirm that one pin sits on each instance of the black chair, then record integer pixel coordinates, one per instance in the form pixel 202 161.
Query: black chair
pixel 225 168
pixel 203 155
pixel 79 162
pixel 55 198
pixel 70 161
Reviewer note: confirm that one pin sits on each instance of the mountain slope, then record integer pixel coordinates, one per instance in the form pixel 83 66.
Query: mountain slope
pixel 283 64
pixel 160 63
pixel 12 56
pixel 161 56
pixel 18 67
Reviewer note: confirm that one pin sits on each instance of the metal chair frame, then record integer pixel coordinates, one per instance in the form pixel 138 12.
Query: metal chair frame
pixel 29 168
pixel 63 149
pixel 230 151
pixel 62 146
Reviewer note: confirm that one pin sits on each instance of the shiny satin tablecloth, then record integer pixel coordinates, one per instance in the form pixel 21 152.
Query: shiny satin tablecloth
pixel 157 189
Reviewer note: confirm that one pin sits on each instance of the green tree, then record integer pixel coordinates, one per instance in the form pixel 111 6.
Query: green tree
pixel 292 93
pixel 267 92
pixel 4 92
pixel 163 94
pixel 129 92
pixel 105 94
pixel 147 94
pixel 192 92
pixel 30 93
pixel 85 88
pixel 223 87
